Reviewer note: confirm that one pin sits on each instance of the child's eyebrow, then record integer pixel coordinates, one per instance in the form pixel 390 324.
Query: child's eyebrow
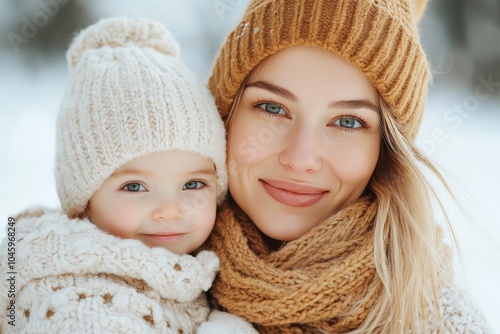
pixel 129 171
pixel 207 171
pixel 133 171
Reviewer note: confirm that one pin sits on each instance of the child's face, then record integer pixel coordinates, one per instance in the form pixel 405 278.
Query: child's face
pixel 165 199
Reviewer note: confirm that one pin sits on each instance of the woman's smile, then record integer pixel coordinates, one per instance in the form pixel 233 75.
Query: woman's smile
pixel 291 193
pixel 323 153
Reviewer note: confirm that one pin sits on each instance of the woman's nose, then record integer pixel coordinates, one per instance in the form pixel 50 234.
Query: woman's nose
pixel 167 210
pixel 300 151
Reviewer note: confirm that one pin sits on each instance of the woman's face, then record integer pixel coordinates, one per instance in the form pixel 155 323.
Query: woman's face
pixel 303 141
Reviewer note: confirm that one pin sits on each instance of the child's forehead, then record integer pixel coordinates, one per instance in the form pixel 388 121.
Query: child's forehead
pixel 173 161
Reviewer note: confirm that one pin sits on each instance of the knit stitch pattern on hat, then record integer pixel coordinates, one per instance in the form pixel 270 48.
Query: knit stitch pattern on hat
pixel 379 37
pixel 129 96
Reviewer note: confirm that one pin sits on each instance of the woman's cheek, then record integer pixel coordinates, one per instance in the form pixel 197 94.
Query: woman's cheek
pixel 240 148
pixel 257 140
pixel 358 163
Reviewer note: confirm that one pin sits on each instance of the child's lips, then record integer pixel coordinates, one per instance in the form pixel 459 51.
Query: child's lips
pixel 163 238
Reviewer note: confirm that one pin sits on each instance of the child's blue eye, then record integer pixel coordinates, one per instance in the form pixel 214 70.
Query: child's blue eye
pixel 193 185
pixel 348 122
pixel 272 108
pixel 134 187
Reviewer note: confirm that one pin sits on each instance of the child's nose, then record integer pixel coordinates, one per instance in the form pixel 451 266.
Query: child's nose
pixel 167 210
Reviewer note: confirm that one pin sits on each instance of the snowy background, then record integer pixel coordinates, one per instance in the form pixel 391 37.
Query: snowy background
pixel 460 131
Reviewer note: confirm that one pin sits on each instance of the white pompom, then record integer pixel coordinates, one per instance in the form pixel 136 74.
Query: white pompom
pixel 122 32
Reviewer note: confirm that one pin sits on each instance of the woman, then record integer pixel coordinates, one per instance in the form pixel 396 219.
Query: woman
pixel 329 225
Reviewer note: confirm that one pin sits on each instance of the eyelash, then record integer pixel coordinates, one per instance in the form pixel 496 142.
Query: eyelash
pixel 257 103
pixel 123 187
pixel 203 184
pixel 364 124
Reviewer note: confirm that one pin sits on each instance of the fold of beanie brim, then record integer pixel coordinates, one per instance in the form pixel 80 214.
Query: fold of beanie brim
pixel 380 38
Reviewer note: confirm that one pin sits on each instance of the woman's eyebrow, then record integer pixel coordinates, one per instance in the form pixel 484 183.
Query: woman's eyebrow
pixel 353 104
pixel 283 92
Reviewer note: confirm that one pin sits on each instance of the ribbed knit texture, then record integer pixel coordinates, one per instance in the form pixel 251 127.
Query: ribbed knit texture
pixel 129 96
pixel 325 279
pixel 379 37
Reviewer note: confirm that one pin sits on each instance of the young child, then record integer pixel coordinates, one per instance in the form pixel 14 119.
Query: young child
pixel 140 167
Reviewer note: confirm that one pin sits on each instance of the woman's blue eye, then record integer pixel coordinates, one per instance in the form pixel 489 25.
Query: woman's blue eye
pixel 272 108
pixel 134 187
pixel 348 122
pixel 192 185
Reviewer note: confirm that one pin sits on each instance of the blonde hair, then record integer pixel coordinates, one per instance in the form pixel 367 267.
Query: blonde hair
pixel 409 257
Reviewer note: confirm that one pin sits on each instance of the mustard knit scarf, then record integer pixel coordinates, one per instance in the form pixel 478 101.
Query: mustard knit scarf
pixel 324 280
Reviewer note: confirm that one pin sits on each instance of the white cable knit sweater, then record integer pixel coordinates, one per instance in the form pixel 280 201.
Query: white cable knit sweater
pixel 74 278
pixel 459 314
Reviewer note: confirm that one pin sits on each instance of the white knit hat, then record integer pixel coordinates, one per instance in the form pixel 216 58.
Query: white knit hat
pixel 128 96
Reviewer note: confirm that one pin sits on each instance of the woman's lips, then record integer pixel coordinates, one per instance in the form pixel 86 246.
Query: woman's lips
pixel 292 194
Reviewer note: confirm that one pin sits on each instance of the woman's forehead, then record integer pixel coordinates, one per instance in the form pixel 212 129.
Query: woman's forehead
pixel 300 68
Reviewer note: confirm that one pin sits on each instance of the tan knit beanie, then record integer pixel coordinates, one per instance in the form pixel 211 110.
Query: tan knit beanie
pixel 380 37
pixel 128 96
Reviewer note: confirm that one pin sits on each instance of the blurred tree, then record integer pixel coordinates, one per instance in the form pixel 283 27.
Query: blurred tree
pixel 43 28
pixel 474 26
pixel 451 12
pixel 482 36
